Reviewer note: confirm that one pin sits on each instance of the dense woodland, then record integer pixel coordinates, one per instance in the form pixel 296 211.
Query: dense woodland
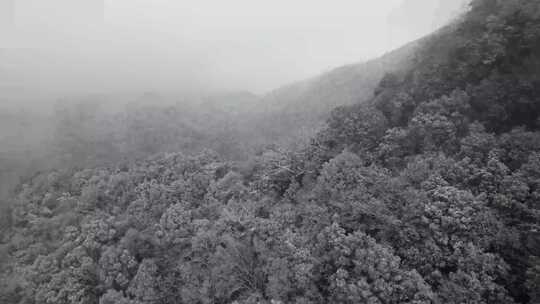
pixel 426 190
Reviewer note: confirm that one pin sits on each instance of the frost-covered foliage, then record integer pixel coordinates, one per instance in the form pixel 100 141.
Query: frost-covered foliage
pixel 427 194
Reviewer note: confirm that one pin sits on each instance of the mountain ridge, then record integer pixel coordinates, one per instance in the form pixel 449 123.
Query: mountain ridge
pixel 427 193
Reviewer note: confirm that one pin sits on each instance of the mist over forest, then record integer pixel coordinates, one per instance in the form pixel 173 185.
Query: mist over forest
pixel 156 152
pixel 66 67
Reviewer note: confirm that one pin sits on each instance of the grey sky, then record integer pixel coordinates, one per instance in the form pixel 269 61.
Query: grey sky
pixel 235 44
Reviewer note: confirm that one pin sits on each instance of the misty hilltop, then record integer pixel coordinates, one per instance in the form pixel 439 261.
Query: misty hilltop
pixel 413 177
pixel 79 47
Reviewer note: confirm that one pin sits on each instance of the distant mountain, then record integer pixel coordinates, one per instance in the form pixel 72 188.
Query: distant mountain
pixel 354 83
pixel 341 86
pixel 295 112
pixel 415 18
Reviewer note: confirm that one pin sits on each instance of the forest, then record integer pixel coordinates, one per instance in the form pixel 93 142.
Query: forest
pixel 421 185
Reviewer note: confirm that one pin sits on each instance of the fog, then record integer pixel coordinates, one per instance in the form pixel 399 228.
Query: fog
pixel 62 48
pixel 269 151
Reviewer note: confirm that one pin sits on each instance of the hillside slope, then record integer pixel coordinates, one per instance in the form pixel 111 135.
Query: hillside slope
pixel 426 193
pixel 345 85
pixel 290 115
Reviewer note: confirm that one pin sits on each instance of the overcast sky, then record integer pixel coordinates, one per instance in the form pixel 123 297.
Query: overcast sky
pixel 252 45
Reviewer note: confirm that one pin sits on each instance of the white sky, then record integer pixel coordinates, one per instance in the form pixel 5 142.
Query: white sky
pixel 263 44
pixel 254 45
